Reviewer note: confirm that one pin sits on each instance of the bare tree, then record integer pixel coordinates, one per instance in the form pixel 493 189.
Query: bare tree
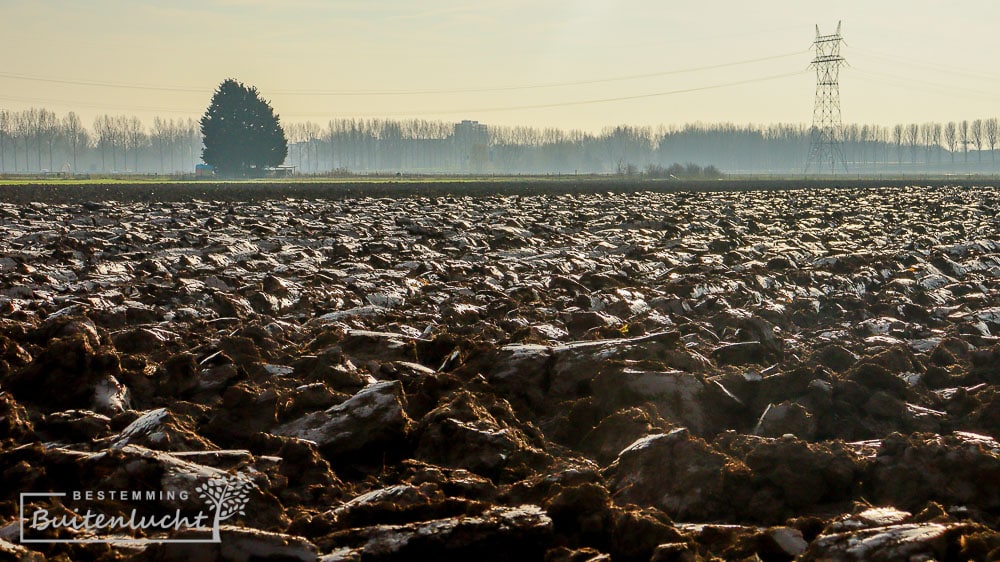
pixel 175 133
pixel 191 142
pixel 25 127
pixel 29 133
pixel 74 132
pixel 991 128
pixel 160 137
pixel 119 126
pixel 898 134
pixel 912 135
pixel 48 129
pixel 927 140
pixel 875 140
pixel 335 140
pixel 134 135
pixel 310 136
pixel 104 137
pixel 951 139
pixel 852 139
pixel 935 139
pixel 15 133
pixel 976 135
pixel 5 125
pixel 40 125
pixel 296 138
pixel 963 137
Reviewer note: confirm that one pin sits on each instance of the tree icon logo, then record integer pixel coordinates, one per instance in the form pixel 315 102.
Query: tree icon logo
pixel 228 496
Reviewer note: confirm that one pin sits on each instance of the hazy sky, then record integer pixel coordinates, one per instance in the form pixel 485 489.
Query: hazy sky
pixel 490 60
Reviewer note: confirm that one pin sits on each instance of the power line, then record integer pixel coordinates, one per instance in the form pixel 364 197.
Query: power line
pixel 187 89
pixel 533 86
pixel 907 82
pixel 75 104
pixel 582 102
pixel 928 65
pixel 123 85
pixel 444 112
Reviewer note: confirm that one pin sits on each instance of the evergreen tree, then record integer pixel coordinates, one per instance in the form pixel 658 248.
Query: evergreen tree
pixel 242 134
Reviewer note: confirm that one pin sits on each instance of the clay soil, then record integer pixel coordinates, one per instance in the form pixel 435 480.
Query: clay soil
pixel 499 370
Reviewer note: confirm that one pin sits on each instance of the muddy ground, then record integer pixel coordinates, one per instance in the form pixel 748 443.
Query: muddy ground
pixel 542 375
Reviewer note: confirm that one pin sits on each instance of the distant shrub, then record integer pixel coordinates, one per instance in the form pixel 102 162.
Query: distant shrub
pixel 711 172
pixel 683 171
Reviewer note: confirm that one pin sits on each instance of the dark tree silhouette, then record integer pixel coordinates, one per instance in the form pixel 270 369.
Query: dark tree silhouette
pixel 242 134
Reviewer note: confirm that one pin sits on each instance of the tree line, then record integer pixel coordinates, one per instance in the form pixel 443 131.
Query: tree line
pixel 37 140
pixel 376 145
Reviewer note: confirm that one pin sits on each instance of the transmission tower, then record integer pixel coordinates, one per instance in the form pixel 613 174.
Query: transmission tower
pixel 825 148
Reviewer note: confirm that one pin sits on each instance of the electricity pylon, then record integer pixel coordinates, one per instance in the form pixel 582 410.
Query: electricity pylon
pixel 826 149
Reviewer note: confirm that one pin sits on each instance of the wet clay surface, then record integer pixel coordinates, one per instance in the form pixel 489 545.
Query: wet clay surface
pixel 561 377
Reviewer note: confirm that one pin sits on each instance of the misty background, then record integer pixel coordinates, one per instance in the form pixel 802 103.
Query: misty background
pixel 41 141
pixel 510 87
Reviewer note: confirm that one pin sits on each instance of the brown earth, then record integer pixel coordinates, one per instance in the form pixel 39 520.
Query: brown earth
pixel 612 374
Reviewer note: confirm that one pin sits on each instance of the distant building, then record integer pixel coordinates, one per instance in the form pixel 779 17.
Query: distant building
pixel 472 146
pixel 204 170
